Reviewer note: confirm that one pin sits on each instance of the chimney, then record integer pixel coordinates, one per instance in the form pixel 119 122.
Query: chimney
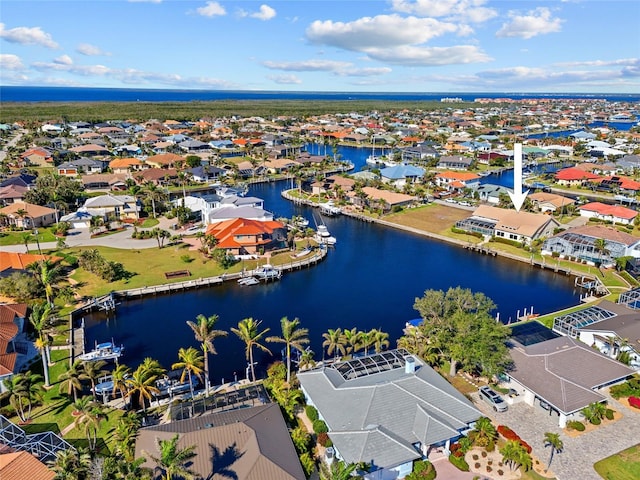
pixel 409 365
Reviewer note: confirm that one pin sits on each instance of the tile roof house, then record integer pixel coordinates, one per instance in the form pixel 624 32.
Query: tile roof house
pixel 382 198
pixel 505 223
pixel 126 165
pixel 387 409
pixel 35 215
pixel 451 180
pixel 243 444
pixel 165 160
pixel 114 206
pixel 241 236
pixel 401 175
pixel 22 465
pixel 550 202
pixel 580 242
pixel 455 162
pixel 91 149
pixel 612 213
pixel 563 375
pixel 105 181
pixel 12 320
pixel 574 176
pixel 11 194
pixel 14 262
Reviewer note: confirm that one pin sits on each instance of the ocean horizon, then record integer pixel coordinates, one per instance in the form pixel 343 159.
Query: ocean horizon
pixel 32 94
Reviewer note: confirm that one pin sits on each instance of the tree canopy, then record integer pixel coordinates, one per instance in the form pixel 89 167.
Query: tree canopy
pixel 458 325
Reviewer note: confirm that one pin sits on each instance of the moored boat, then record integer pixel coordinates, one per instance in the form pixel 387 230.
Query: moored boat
pixel 102 351
pixel 323 236
pixel 267 272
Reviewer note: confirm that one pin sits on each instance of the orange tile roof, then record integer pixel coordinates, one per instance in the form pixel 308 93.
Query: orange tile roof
pixel 22 465
pixel 165 158
pixel 462 176
pixel 610 210
pixel 20 261
pixel 124 162
pixel 33 211
pixel 227 231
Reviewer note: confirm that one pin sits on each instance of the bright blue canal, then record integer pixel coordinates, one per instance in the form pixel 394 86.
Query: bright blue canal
pixel 370 280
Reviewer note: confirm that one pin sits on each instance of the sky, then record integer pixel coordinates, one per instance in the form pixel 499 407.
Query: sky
pixel 554 46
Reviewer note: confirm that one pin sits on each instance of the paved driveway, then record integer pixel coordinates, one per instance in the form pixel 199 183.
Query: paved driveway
pixel 581 452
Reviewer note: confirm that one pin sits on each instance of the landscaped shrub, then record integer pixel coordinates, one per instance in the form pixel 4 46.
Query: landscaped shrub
pixel 477 465
pixel 507 433
pixel 608 413
pixel 311 412
pixel 634 402
pixel 459 462
pixel 319 426
pixel 575 425
pixel 595 421
pixel 324 440
pixel 474 456
pixel 500 472
pixel 422 470
pixel 526 446
pixel 456 450
pixel 308 463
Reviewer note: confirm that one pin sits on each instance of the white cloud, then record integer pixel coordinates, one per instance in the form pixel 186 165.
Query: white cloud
pixel 285 79
pixel 27 36
pixel 466 10
pixel 535 22
pixel 382 31
pixel 600 63
pixel 63 60
pixel 265 13
pixel 364 72
pixel 430 56
pixel 308 66
pixel 9 61
pixel 211 9
pixel 90 50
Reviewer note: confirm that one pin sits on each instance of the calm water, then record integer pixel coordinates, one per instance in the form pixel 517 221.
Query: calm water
pixel 87 94
pixel 370 280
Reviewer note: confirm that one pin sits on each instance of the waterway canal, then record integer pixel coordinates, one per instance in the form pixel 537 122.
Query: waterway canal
pixel 369 280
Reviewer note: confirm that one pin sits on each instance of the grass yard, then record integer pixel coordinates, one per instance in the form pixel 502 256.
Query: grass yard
pixel 434 218
pixel 16 238
pixel 624 465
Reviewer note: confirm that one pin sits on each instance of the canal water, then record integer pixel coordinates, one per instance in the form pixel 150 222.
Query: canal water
pixel 369 280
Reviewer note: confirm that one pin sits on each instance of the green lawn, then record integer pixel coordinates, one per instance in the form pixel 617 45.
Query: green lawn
pixel 624 465
pixel 16 238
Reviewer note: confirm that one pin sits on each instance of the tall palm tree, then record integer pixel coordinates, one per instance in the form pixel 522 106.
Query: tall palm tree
pixel 124 435
pixel 173 460
pixel 26 238
pixel 205 333
pixel 352 340
pixel 306 359
pixel 247 331
pixel 71 464
pixel 142 381
pixel 191 363
pixel 153 193
pixel 380 340
pixel 24 389
pixel 93 371
pixel 554 441
pixel 333 342
pixel 89 415
pixel 600 245
pixel 292 336
pixel 119 377
pixel 41 320
pixel 71 380
pixel 511 453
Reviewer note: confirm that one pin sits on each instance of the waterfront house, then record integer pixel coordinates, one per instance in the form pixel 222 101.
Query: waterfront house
pixel 573 177
pixel 36 156
pixel 455 162
pixel 580 243
pixel 612 328
pixel 332 185
pixel 401 175
pixel 43 445
pixel 206 173
pixel 387 410
pixel 240 444
pixel 562 375
pixel 28 216
pixel 422 152
pixel 608 213
pixel 521 227
pixel 242 236
pixel 490 193
pixel 384 199
pixel 11 262
pixel 105 181
pixel 547 202
pixel 451 180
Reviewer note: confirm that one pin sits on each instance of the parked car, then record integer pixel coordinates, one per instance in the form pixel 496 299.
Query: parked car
pixel 493 398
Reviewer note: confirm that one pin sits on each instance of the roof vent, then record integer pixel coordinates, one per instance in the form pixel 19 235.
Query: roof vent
pixel 409 365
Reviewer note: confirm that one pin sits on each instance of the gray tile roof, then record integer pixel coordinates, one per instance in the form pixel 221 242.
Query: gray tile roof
pixel 402 408
pixel 564 372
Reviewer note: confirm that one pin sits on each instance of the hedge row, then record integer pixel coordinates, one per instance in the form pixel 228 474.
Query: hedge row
pixel 509 434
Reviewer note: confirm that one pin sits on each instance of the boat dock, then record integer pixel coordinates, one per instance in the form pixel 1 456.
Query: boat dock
pixel 476 247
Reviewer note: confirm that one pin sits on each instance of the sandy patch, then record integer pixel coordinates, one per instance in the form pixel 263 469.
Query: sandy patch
pixel 590 427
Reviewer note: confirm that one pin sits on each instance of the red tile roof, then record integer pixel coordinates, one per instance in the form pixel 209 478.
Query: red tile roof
pixel 610 210
pixel 572 174
pixel 23 465
pixel 227 231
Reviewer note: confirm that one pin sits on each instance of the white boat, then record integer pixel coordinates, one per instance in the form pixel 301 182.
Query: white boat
pixel 169 385
pixel 248 281
pixel 299 221
pixel 102 351
pixel 104 385
pixel 302 253
pixel 329 209
pixel 267 272
pixel 323 236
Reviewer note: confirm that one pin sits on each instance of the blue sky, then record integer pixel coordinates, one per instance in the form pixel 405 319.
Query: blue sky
pixel 552 46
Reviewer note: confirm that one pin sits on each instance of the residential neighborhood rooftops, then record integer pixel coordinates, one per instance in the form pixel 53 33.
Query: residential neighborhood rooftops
pixel 610 210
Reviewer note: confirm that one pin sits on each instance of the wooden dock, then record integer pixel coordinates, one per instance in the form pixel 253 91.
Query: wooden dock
pixel 479 248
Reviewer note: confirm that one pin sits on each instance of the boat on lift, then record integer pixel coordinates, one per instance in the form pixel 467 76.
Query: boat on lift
pixel 102 351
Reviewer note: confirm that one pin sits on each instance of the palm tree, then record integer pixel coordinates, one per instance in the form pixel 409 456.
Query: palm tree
pixel 380 340
pixel 205 333
pixel 93 371
pixel 71 464
pixel 351 339
pixel 247 331
pixel 125 434
pixel 89 414
pixel 71 380
pixel 24 389
pixel 143 381
pixel 333 342
pixel 191 364
pixel 485 432
pixel 513 454
pixel 306 359
pixel 49 275
pixel 173 459
pixel 153 193
pixel 26 238
pixel 40 319
pixel 554 441
pixel 292 336
pixel 119 377
pixel 337 471
pixel 600 245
